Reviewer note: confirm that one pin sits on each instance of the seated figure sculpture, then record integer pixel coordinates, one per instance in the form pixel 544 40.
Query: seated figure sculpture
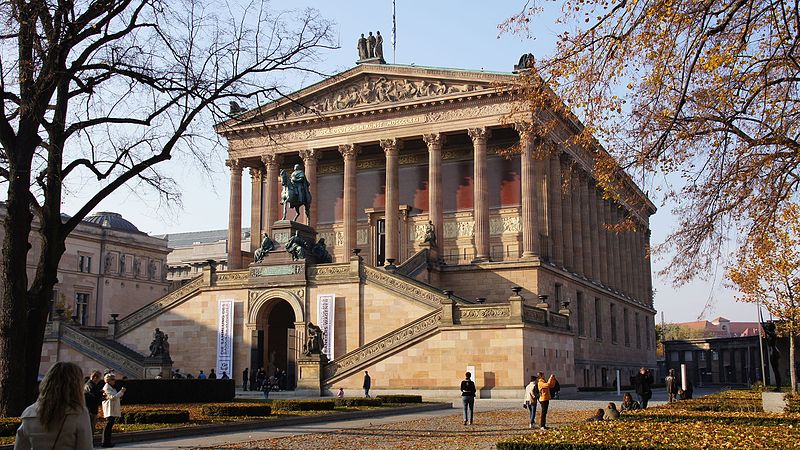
pixel 267 244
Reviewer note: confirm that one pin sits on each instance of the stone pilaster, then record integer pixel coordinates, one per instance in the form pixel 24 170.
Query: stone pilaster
pixel 586 232
pixel 435 143
pixel 391 147
pixel 530 223
pixel 648 270
pixel 271 201
pixel 566 212
pixel 577 233
pixel 235 215
pixel 480 186
pixel 349 152
pixel 557 221
pixel 602 236
pixel 310 159
pixel 627 247
pixel 256 200
pixel 594 228
pixel 619 265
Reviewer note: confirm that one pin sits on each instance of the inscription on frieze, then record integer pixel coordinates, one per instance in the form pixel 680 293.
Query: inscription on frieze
pixel 272 271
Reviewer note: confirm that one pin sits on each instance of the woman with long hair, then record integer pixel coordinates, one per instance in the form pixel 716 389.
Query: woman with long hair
pixel 58 420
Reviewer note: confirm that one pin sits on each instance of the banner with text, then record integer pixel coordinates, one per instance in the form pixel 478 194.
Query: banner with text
pixel 225 339
pixel 326 305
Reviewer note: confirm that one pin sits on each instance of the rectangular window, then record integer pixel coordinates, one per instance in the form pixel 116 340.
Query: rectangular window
pixel 82 308
pixel 613 323
pixel 687 356
pixel 84 263
pixel 638 331
pixel 701 356
pixel 598 320
pixel 581 315
pixel 625 327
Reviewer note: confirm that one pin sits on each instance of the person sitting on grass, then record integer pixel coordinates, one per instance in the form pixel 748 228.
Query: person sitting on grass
pixel 611 412
pixel 598 416
pixel 628 403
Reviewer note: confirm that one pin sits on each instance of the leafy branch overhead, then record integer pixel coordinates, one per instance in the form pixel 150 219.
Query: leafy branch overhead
pixel 704 93
pixel 95 95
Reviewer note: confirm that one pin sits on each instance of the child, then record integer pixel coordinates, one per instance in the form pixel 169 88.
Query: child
pixel 341 393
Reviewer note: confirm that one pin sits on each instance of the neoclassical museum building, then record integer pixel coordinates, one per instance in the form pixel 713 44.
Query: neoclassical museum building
pixel 450 252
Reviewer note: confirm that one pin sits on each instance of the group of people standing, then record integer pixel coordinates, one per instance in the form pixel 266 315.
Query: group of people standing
pixel 539 392
pixel 65 413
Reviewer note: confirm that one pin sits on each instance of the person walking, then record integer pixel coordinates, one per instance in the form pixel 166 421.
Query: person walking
pixel 58 420
pixel 544 397
pixel 93 396
pixel 111 407
pixel 245 378
pixel 212 375
pixel 367 384
pixel 644 386
pixel 468 397
pixel 532 399
pixel 672 385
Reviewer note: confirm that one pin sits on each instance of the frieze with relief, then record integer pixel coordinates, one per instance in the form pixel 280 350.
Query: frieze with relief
pixel 362 236
pixel 371 91
pixel 500 225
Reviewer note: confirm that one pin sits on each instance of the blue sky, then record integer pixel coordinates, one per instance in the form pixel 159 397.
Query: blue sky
pixel 458 34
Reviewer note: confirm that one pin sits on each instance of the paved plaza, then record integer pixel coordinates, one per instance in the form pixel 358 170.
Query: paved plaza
pixel 494 420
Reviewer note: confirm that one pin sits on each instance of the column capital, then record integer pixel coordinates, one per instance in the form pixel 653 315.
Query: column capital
pixel 525 130
pixel 392 145
pixel 256 173
pixel 272 161
pixel 234 164
pixel 479 134
pixel 435 141
pixel 349 151
pixel 310 155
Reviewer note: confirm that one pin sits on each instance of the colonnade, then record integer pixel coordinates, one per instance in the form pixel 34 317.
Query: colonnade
pixel 564 216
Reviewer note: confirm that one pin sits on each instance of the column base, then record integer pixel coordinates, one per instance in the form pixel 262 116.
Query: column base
pixel 529 255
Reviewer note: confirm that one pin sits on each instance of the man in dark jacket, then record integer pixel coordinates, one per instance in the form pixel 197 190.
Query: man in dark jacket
pixel 93 394
pixel 367 384
pixel 644 386
pixel 468 397
pixel 245 378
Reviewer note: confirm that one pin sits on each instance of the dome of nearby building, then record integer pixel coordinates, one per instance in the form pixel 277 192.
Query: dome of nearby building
pixel 111 220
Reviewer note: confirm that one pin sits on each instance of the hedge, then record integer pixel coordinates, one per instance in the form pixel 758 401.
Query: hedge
pixel 400 398
pixel 155 416
pixel 304 405
pixel 237 410
pixel 176 391
pixel 358 401
pixel 8 426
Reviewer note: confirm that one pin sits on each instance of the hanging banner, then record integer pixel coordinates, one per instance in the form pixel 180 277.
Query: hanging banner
pixel 225 339
pixel 326 305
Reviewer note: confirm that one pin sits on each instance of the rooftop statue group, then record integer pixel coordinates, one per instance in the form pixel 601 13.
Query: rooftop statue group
pixel 370 47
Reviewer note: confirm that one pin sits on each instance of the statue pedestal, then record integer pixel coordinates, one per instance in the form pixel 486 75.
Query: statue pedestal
pixel 155 365
pixel 282 230
pixel 310 379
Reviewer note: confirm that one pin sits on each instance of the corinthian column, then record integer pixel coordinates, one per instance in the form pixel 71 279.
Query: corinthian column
pixel 310 159
pixel 235 215
pixel 391 147
pixel 271 202
pixel 349 152
pixel 529 218
pixel 480 189
pixel 256 175
pixel 435 142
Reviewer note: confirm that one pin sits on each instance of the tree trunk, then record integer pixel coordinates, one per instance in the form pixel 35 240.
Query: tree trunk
pixel 792 362
pixel 13 320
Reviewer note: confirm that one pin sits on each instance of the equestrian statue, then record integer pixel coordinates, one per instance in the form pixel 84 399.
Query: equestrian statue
pixel 296 192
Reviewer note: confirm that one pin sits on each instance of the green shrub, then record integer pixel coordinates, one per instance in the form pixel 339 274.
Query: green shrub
pixel 237 410
pixel 358 401
pixel 8 426
pixel 176 391
pixel 400 398
pixel 155 416
pixel 304 405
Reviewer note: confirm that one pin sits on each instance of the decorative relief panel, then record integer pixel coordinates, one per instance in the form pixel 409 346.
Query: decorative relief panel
pixel 362 236
pixel 450 230
pixel 329 237
pixel 233 277
pixel 469 113
pixel 282 237
pixel 534 315
pixel 500 225
pixel 339 238
pixel 417 232
pixel 480 313
pixel 271 271
pixel 466 228
pixel 374 90
pixel 404 287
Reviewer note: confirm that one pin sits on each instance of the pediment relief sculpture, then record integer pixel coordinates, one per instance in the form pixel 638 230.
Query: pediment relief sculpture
pixel 376 90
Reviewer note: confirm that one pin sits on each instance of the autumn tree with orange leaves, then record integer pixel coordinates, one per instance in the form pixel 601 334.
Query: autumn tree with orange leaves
pixel 701 96
pixel 768 272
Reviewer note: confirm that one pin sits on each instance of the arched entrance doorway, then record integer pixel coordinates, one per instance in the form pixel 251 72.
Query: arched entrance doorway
pixel 275 347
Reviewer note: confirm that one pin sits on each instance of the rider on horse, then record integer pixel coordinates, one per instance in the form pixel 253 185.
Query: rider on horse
pixel 296 192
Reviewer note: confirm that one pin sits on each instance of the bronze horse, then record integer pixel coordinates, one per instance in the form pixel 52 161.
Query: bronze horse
pixel 289 197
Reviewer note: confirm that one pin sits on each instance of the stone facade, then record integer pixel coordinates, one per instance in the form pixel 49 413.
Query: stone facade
pixel 386 150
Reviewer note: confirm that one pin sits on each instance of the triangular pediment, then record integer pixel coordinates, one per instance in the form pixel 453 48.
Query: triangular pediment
pixel 374 87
